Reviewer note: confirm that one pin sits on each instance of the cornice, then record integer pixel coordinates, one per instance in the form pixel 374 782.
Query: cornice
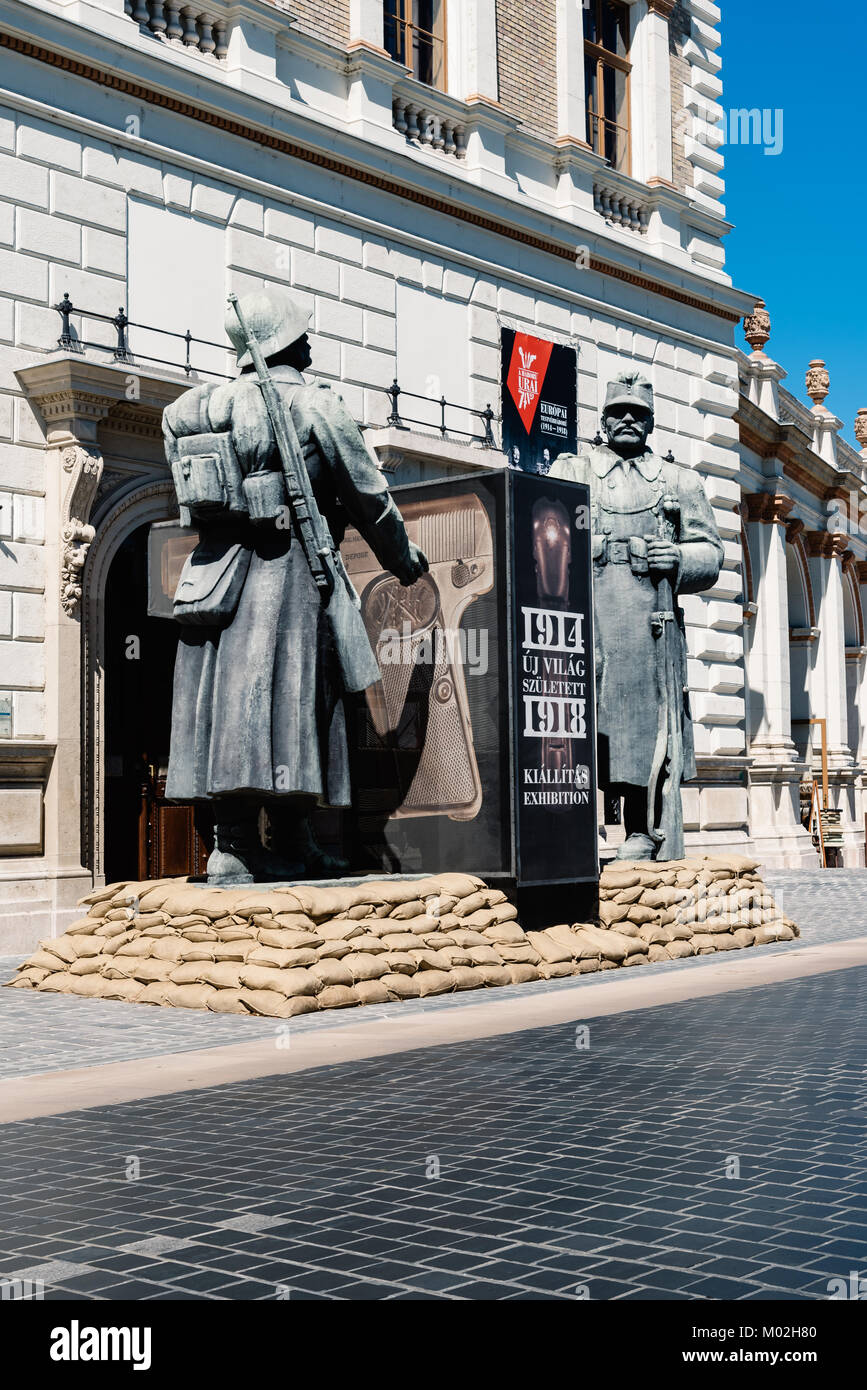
pixel 405 190
pixel 787 441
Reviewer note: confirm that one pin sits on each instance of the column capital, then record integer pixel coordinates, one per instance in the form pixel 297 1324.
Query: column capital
pixel 769 508
pixel 661 7
pixel 826 545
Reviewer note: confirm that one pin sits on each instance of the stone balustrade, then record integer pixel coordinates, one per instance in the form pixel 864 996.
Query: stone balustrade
pixel 184 25
pixel 424 125
pixel 620 208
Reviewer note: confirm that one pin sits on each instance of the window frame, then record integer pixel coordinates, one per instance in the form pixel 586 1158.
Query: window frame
pixel 401 12
pixel 601 58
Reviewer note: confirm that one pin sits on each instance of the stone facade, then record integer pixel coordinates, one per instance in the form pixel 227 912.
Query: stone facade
pixel 804 497
pixel 416 224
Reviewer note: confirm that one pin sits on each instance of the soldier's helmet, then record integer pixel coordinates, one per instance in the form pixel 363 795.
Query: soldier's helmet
pixel 276 317
pixel 629 388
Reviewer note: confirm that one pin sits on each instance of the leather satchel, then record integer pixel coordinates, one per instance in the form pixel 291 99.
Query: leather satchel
pixel 211 583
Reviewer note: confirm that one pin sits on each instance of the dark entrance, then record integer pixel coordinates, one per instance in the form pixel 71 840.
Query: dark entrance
pixel 145 836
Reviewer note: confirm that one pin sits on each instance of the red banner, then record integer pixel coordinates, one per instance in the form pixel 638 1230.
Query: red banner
pixel 530 358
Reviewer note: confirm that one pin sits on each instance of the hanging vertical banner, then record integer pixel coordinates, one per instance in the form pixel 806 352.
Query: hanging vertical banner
pixel 539 388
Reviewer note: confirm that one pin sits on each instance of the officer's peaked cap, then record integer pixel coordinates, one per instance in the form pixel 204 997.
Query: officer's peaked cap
pixel 630 388
pixel 276 318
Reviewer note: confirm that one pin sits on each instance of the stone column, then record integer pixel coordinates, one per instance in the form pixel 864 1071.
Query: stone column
pixel 768 660
pixel 828 684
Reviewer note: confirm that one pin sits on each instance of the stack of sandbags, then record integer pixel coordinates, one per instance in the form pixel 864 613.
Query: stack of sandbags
pixel 285 951
pixel 282 952
pixel 689 907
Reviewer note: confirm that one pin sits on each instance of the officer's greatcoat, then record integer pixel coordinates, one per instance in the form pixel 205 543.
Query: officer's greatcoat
pixel 257 704
pixel 625 495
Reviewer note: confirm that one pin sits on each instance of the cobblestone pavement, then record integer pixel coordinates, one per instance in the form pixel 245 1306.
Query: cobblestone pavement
pixel 710 1149
pixel 42 1032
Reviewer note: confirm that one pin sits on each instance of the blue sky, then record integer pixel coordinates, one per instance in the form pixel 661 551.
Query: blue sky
pixel 800 238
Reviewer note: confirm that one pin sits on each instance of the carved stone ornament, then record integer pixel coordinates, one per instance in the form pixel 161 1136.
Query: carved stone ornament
pixel 84 467
pixel 75 538
pixel 861 427
pixel 818 381
pixel 757 326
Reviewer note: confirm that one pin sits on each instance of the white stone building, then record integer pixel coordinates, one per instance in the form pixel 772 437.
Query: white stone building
pixel 157 155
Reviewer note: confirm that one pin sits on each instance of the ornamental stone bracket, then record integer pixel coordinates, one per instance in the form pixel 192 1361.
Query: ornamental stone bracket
pixel 769 508
pixel 85 469
pixel 82 402
pixel 826 545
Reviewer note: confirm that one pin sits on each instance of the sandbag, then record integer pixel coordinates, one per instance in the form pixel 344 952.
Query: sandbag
pixel 401 986
pixel 286 982
pixel 399 963
pixel 434 982
pixel 371 992
pixel 505 934
pixel 338 997
pixel 467 977
pixel 330 972
pixel 364 967
pixel 522 974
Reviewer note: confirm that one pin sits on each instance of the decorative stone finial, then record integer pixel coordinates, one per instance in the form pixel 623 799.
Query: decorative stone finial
pixel 818 381
pixel 861 427
pixel 757 326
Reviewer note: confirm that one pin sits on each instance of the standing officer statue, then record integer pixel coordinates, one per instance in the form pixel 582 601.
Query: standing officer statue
pixel 271 470
pixel 654 537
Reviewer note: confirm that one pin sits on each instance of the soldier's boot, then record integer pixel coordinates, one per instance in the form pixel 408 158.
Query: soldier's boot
pixel 236 843
pixel 636 846
pixel 638 843
pixel 317 861
pixel 293 831
pixel 240 857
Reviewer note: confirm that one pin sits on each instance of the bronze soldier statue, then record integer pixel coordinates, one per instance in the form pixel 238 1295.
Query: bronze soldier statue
pixel 654 537
pixel 271 470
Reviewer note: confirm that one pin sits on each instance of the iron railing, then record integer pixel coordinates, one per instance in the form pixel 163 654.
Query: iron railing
pixel 444 425
pixel 70 340
pixel 398 420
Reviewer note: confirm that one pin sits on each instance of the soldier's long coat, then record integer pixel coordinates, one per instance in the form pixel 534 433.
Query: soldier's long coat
pixel 257 705
pixel 624 495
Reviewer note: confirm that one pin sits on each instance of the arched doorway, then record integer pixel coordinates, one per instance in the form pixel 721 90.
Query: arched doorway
pixel 144 835
pixel 130 831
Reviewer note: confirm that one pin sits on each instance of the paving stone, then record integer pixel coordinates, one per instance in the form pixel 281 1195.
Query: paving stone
pixel 606 1171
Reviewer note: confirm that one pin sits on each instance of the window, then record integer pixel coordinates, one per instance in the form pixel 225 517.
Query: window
pixel 606 80
pixel 415 35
